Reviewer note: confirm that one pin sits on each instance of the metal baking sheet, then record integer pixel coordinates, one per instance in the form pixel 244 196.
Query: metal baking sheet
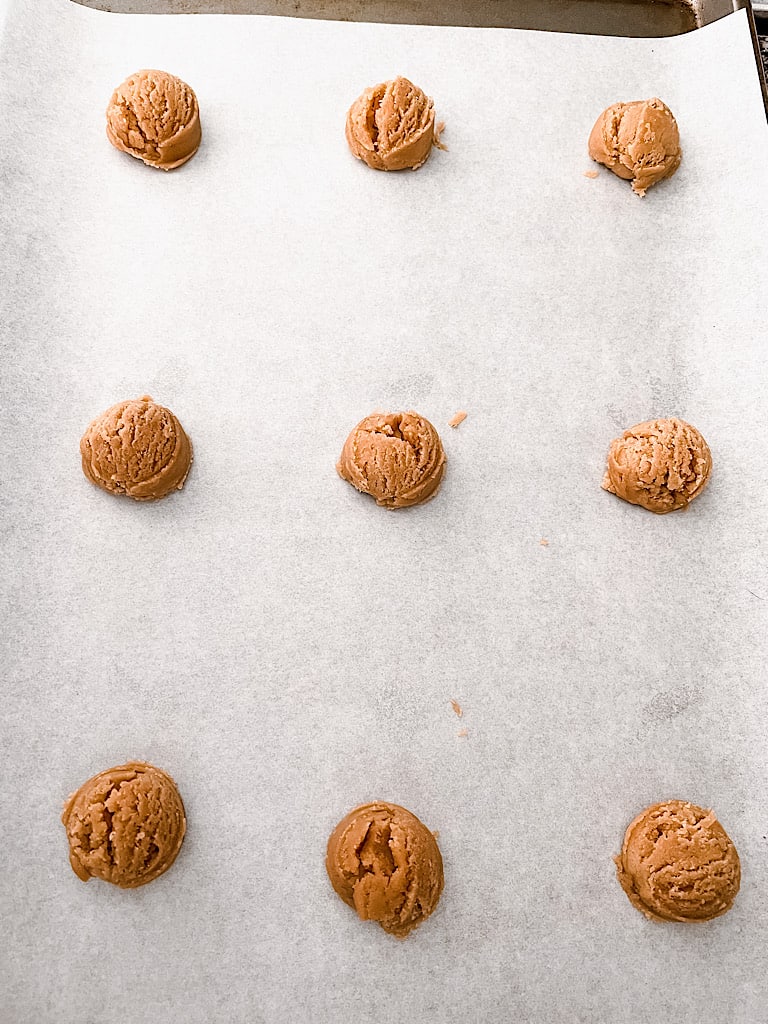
pixel 284 648
pixel 604 17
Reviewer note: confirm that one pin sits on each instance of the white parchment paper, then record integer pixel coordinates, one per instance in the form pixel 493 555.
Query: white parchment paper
pixel 284 648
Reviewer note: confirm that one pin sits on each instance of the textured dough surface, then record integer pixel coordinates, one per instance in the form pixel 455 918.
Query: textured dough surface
pixel 125 825
pixel 136 448
pixel 397 458
pixel 391 126
pixel 678 863
pixel 638 141
pixel 660 464
pixel 154 117
pixel 385 864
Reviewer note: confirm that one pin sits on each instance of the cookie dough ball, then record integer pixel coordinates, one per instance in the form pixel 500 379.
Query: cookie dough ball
pixel 125 825
pixel 678 864
pixel 397 458
pixel 638 141
pixel 136 448
pixel 391 127
pixel 662 465
pixel 386 865
pixel 154 117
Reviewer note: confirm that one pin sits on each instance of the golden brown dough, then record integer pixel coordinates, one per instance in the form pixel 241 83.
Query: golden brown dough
pixel 385 864
pixel 136 448
pixel 639 141
pixel 125 825
pixel 154 116
pixel 678 864
pixel 397 458
pixel 391 127
pixel 660 464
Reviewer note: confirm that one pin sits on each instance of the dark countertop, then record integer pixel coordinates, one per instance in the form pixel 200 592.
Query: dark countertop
pixel 762 28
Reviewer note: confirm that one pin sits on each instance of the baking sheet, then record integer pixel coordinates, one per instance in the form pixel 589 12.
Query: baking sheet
pixel 605 17
pixel 286 649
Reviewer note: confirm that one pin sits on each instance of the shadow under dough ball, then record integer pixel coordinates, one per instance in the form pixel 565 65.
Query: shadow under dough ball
pixel 125 825
pixel 661 465
pixel 678 863
pixel 391 127
pixel 154 117
pixel 638 141
pixel 386 865
pixel 397 458
pixel 136 448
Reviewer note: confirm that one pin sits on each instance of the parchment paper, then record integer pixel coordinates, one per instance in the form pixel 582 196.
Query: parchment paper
pixel 284 648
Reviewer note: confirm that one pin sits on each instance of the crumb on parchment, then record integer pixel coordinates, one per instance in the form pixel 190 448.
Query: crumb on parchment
pixel 457 419
pixel 457 708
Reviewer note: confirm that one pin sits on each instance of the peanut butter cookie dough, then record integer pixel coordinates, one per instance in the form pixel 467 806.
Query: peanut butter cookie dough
pixel 397 458
pixel 678 864
pixel 660 464
pixel 137 448
pixel 391 127
pixel 638 141
pixel 385 864
pixel 154 116
pixel 125 825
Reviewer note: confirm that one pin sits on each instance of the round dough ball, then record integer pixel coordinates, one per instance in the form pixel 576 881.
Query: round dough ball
pixel 661 464
pixel 154 116
pixel 385 864
pixel 391 127
pixel 678 864
pixel 136 448
pixel 397 458
pixel 639 141
pixel 125 825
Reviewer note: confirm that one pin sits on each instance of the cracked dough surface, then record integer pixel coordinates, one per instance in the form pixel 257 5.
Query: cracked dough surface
pixel 391 126
pixel 678 863
pixel 397 458
pixel 386 865
pixel 125 825
pixel 154 117
pixel 137 448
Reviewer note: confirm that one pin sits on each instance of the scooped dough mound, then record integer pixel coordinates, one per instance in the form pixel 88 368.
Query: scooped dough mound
pixel 391 127
pixel 125 825
pixel 678 863
pixel 397 458
pixel 385 864
pixel 137 448
pixel 639 141
pixel 660 464
pixel 154 116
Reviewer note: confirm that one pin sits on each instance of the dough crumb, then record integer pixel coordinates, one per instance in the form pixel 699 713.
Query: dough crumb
pixel 457 419
pixel 544 542
pixel 437 141
pixel 457 708
pixel 591 174
pixel 462 733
